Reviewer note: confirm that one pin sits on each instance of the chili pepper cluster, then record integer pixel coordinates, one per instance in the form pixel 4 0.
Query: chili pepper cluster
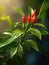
pixel 30 18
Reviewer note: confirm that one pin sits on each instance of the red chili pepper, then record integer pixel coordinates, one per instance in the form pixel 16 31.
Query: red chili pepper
pixel 34 12
pixel 23 19
pixel 29 18
pixel 33 19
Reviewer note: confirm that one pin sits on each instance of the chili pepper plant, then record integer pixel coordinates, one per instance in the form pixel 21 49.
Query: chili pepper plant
pixel 22 35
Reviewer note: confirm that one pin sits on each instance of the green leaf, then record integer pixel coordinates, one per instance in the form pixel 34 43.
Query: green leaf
pixel 26 46
pixel 1 38
pixel 27 26
pixel 35 32
pixel 40 25
pixel 33 44
pixel 20 50
pixel 30 10
pixel 44 7
pixel 23 26
pixel 17 24
pixel 13 51
pixel 19 11
pixel 44 32
pixel 14 36
pixel 7 33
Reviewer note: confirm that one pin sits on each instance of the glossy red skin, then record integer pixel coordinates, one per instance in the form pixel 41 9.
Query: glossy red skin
pixel 23 19
pixel 34 12
pixel 33 19
pixel 29 18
